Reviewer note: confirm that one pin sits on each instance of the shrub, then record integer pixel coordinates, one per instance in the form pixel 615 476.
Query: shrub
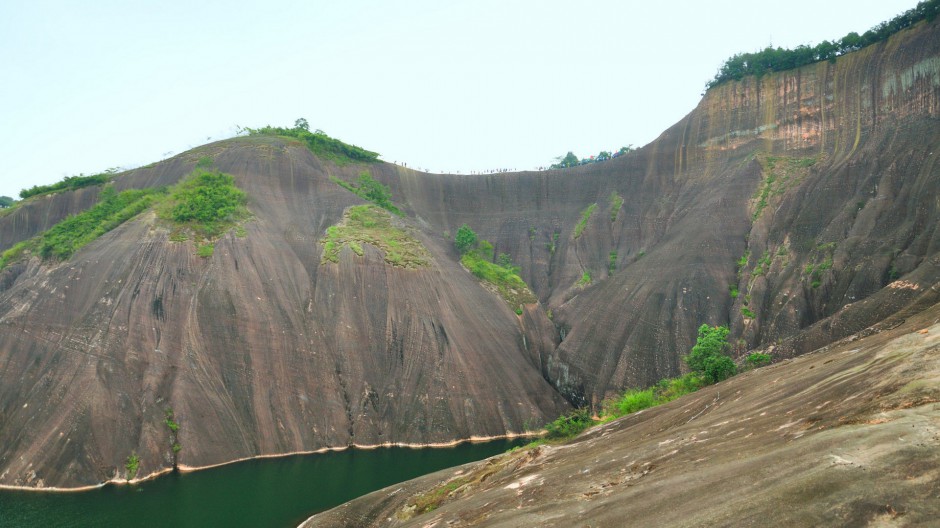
pixel 208 202
pixel 757 359
pixel 718 368
pixel 708 356
pixel 612 263
pixel 62 240
pixel 131 465
pixel 370 189
pixel 585 279
pixel 570 424
pixel 747 312
pixel 205 251
pixel 466 239
pixel 319 143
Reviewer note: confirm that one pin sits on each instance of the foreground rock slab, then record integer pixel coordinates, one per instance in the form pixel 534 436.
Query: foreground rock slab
pixel 848 435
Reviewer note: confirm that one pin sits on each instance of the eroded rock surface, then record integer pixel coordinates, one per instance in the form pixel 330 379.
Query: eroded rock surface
pixel 848 436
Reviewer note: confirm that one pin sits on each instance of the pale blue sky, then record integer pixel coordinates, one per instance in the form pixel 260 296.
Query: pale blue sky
pixel 447 86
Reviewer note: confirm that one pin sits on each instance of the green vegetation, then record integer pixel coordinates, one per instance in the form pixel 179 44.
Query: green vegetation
pixel 779 59
pixel 616 203
pixel 612 263
pixel 371 190
pixel 368 224
pixel 62 240
pixel 70 183
pixel 570 160
pixel 319 143
pixel 132 465
pixel 747 312
pixel 205 250
pixel 709 364
pixel 503 276
pixel 756 359
pixel 742 262
pixel 734 291
pixel 585 279
pixel 585 216
pixel 708 357
pixel 780 174
pixel 168 420
pixel 763 265
pixel 465 240
pixel 207 203
pixel 6 201
pixel 204 162
pixel 553 245
pixel 570 424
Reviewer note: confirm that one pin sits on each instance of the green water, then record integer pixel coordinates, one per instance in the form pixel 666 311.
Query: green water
pixel 276 492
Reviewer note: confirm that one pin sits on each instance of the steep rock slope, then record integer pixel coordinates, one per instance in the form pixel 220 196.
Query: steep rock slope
pixel 845 436
pixel 260 349
pixel 824 179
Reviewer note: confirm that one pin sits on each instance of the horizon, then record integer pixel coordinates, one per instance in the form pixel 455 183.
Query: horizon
pixel 457 88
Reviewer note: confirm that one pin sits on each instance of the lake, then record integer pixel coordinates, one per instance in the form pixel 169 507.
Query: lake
pixel 272 492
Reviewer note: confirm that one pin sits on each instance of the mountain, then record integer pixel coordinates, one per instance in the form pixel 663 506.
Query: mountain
pixel 799 208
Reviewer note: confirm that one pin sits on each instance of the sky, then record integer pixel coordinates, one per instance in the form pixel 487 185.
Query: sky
pixel 444 86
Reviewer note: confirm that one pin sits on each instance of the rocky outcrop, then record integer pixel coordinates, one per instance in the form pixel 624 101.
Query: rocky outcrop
pixel 845 436
pixel 821 182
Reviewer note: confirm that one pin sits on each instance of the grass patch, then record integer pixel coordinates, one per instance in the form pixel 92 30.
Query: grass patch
pixel 616 202
pixel 371 190
pixel 747 312
pixel 585 216
pixel 585 279
pixel 368 224
pixel 734 291
pixel 205 250
pixel 62 240
pixel 612 263
pixel 505 279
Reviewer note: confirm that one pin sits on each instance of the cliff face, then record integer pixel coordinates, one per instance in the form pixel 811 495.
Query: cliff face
pixel 823 179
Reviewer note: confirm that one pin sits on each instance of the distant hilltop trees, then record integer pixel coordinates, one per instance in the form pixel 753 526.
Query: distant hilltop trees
pixel 318 142
pixel 570 160
pixel 779 59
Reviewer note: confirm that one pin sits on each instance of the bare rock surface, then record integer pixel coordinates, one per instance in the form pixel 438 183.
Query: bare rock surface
pixel 848 436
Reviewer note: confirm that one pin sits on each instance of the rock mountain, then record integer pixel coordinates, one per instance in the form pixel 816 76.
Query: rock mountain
pixel 799 208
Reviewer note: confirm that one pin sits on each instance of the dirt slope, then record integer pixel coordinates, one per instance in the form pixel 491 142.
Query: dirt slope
pixel 845 436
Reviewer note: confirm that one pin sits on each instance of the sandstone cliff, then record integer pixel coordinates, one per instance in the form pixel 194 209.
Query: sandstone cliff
pixel 824 179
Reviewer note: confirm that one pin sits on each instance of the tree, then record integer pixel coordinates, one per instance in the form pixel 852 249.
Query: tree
pixel 6 201
pixel 302 124
pixel 374 191
pixel 708 356
pixel 568 160
pixel 465 240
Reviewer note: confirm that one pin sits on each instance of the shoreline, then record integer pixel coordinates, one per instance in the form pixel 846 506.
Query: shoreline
pixel 183 468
